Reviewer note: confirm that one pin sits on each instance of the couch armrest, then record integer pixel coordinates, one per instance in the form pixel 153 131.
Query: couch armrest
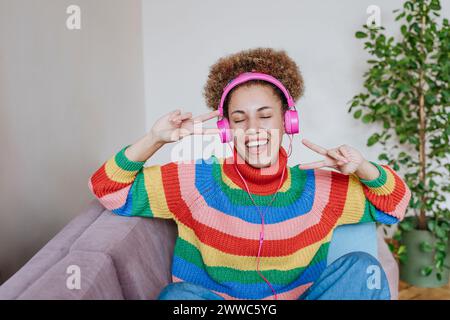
pixel 389 264
pixel 55 250
pixel 141 250
pixel 119 257
pixel 96 274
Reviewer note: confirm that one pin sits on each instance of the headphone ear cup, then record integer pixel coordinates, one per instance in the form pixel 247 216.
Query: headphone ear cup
pixel 291 124
pixel 224 130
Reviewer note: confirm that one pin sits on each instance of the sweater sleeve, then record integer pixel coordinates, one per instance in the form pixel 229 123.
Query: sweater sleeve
pixel 383 199
pixel 126 188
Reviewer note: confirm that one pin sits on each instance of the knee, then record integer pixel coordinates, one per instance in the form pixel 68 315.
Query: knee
pixel 367 272
pixel 360 261
pixel 360 258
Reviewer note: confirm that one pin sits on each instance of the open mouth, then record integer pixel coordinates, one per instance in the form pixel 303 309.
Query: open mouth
pixel 257 146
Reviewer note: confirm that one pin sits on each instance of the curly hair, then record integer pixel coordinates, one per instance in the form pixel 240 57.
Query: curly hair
pixel 265 60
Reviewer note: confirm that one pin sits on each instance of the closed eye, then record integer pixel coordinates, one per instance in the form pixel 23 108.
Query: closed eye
pixel 262 117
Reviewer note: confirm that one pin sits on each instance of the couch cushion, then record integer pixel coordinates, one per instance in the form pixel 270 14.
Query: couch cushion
pixel 353 237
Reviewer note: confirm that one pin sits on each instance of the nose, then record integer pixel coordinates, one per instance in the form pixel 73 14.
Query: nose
pixel 255 131
pixel 254 125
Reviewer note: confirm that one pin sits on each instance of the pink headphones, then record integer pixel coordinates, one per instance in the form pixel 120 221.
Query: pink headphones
pixel 291 124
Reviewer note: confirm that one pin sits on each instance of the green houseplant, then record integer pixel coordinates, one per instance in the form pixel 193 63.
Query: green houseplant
pixel 407 93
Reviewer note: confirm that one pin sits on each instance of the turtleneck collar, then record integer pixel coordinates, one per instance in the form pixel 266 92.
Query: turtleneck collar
pixel 262 181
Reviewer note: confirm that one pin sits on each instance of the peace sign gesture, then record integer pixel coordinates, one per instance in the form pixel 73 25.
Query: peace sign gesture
pixel 177 125
pixel 343 158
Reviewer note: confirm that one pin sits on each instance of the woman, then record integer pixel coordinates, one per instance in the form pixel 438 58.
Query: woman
pixel 250 227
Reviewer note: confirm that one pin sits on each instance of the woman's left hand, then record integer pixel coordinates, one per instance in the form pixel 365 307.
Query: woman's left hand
pixel 344 158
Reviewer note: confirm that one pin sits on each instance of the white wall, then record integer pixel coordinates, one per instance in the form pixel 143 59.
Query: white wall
pixel 68 100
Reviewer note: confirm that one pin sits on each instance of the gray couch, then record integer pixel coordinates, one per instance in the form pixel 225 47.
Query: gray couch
pixel 118 258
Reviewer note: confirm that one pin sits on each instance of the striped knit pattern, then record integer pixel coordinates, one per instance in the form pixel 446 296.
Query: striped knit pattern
pixel 219 227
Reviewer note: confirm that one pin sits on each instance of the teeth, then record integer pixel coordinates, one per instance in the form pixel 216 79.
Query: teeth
pixel 256 143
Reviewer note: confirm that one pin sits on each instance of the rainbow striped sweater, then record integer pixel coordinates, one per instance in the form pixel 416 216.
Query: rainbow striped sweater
pixel 219 226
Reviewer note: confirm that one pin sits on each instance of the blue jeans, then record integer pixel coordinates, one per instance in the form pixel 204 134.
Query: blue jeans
pixel 354 276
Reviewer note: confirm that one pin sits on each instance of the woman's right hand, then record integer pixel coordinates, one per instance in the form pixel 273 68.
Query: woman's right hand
pixel 176 125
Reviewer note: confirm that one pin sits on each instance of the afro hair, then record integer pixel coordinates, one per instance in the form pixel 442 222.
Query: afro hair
pixel 265 60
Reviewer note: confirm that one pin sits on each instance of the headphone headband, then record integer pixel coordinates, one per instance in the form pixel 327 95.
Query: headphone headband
pixel 247 76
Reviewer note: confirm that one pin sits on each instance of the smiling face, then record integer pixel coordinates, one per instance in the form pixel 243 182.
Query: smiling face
pixel 255 114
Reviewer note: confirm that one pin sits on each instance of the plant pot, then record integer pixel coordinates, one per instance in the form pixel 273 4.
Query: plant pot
pixel 410 271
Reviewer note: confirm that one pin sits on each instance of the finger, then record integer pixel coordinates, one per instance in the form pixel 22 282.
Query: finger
pixel 207 116
pixel 334 153
pixel 173 114
pixel 315 147
pixel 182 117
pixel 313 165
pixel 347 155
pixel 174 120
pixel 344 151
pixel 206 131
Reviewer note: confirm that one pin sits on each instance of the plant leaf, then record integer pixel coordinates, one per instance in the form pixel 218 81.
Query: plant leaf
pixel 360 35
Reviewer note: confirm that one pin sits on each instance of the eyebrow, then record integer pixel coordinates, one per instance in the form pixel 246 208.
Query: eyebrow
pixel 259 109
